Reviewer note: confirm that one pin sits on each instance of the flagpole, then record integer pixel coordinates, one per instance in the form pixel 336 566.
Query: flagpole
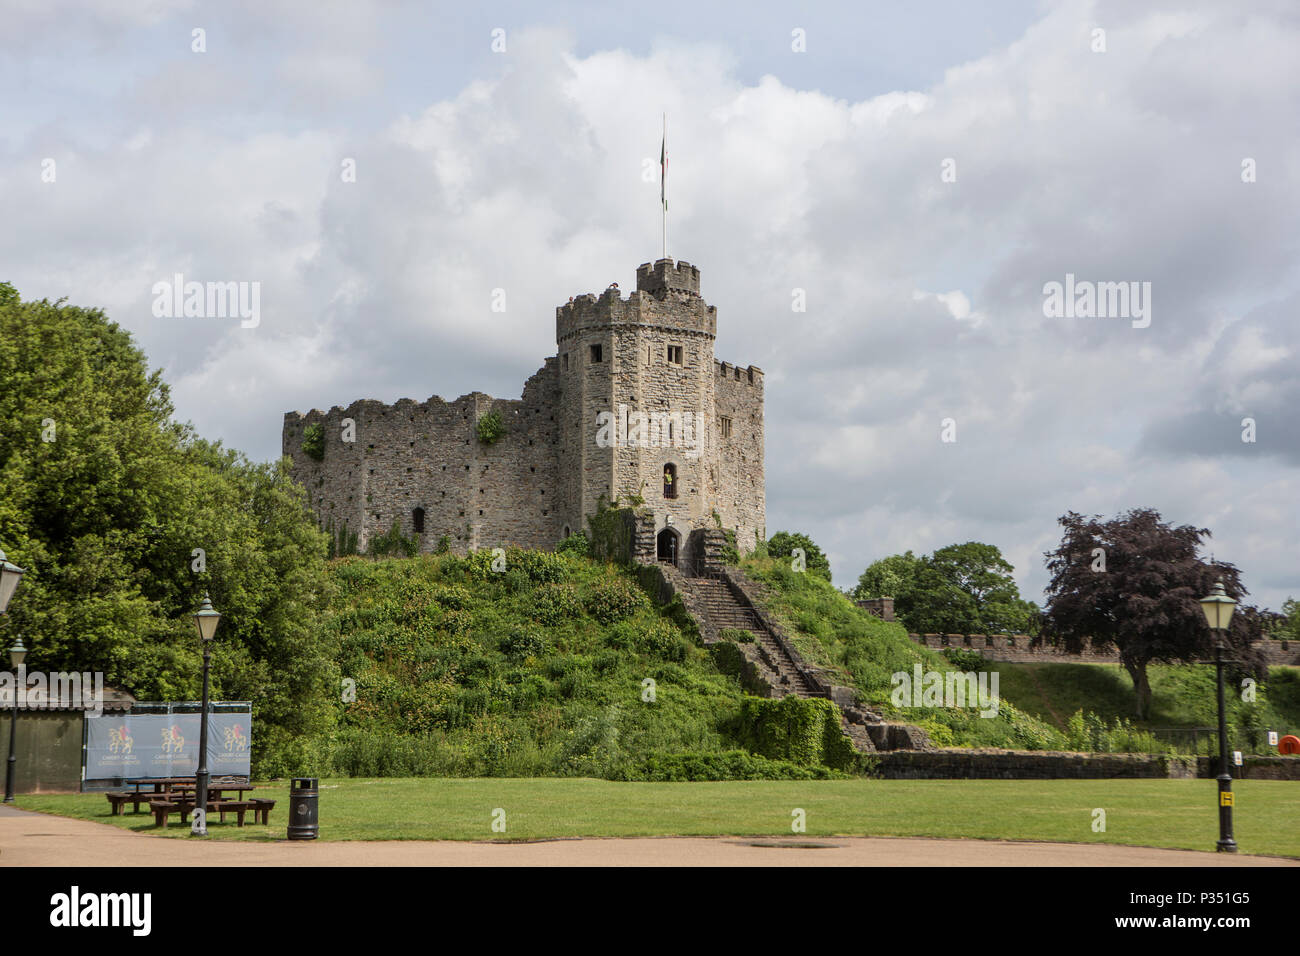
pixel 663 199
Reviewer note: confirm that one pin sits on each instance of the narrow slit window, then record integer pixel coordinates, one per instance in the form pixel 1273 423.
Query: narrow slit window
pixel 596 354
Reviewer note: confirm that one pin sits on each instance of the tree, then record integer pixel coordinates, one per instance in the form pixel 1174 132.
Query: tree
pixel 124 517
pixel 783 543
pixel 961 589
pixel 1134 582
pixel 887 577
pixel 1286 626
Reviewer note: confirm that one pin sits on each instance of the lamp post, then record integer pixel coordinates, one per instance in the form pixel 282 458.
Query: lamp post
pixel 205 620
pixel 10 575
pixel 17 654
pixel 1218 608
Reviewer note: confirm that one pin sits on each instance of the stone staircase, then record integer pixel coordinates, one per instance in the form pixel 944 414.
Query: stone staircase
pixel 722 610
pixel 718 603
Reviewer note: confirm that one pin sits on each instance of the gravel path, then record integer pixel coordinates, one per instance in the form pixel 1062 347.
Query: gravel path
pixel 37 839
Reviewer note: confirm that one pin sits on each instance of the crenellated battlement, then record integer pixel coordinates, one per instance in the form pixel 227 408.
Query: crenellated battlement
pixel 666 276
pixel 649 305
pixel 751 375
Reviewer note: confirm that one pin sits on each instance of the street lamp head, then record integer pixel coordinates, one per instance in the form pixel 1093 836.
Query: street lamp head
pixel 17 654
pixel 206 619
pixel 10 575
pixel 1218 608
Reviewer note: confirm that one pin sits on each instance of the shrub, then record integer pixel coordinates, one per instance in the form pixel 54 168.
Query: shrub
pixel 964 660
pixel 522 644
pixel 491 428
pixel 363 753
pixel 453 597
pixel 542 567
pixel 615 600
pixel 723 765
pixel 393 544
pixel 805 731
pixel 575 544
pixel 313 441
pixel 738 634
pixel 555 603
pixel 661 640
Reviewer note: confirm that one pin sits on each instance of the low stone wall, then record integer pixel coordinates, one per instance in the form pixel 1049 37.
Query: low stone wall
pixel 959 764
pixel 1017 649
pixel 1254 767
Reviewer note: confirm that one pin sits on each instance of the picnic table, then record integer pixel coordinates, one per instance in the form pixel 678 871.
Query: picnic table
pixel 178 794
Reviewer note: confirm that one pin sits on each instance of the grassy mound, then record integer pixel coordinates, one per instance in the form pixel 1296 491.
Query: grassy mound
pixel 548 665
pixel 865 652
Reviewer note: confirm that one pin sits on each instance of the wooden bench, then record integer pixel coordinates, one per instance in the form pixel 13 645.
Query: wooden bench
pixel 262 808
pixel 117 800
pixel 162 809
pixel 238 807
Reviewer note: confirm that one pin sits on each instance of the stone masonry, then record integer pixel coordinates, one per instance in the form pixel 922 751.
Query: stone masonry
pixel 632 398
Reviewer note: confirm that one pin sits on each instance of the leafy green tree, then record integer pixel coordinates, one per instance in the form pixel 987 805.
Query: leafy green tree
pixel 782 544
pixel 961 589
pixel 1286 626
pixel 1134 582
pixel 972 583
pixel 887 577
pixel 124 517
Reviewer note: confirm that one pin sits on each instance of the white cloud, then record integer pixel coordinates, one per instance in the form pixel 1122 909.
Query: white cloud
pixel 529 178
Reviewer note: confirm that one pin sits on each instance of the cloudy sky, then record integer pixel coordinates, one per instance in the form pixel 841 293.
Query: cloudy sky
pixel 920 170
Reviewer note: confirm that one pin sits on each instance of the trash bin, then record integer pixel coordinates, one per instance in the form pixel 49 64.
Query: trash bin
pixel 303 819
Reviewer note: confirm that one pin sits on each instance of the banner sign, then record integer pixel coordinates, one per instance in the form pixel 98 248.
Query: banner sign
pixel 165 745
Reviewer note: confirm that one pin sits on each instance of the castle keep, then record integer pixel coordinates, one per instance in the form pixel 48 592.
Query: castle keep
pixel 633 406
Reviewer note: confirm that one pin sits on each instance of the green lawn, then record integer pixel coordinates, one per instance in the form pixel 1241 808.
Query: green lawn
pixel 1163 813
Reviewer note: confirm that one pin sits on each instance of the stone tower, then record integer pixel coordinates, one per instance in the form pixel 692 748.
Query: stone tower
pixel 633 407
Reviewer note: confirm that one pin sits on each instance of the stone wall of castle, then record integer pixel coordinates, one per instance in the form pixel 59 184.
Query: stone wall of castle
pixel 649 354
pixel 736 469
pixel 427 456
pixel 1017 649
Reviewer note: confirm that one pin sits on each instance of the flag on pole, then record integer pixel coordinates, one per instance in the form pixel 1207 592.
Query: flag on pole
pixel 663 170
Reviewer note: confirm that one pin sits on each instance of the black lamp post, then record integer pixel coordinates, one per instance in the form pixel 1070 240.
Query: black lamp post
pixel 1218 608
pixel 205 619
pixel 10 575
pixel 17 654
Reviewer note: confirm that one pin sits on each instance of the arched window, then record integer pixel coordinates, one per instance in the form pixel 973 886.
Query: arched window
pixel 417 519
pixel 670 481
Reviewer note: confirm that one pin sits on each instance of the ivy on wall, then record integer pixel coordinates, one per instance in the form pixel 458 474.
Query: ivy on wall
pixel 804 731
pixel 611 532
pixel 491 428
pixel 313 441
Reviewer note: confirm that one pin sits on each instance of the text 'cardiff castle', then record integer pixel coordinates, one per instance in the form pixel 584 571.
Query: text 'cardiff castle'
pixel 633 408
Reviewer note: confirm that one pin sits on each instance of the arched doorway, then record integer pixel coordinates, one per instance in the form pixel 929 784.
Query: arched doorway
pixel 667 546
